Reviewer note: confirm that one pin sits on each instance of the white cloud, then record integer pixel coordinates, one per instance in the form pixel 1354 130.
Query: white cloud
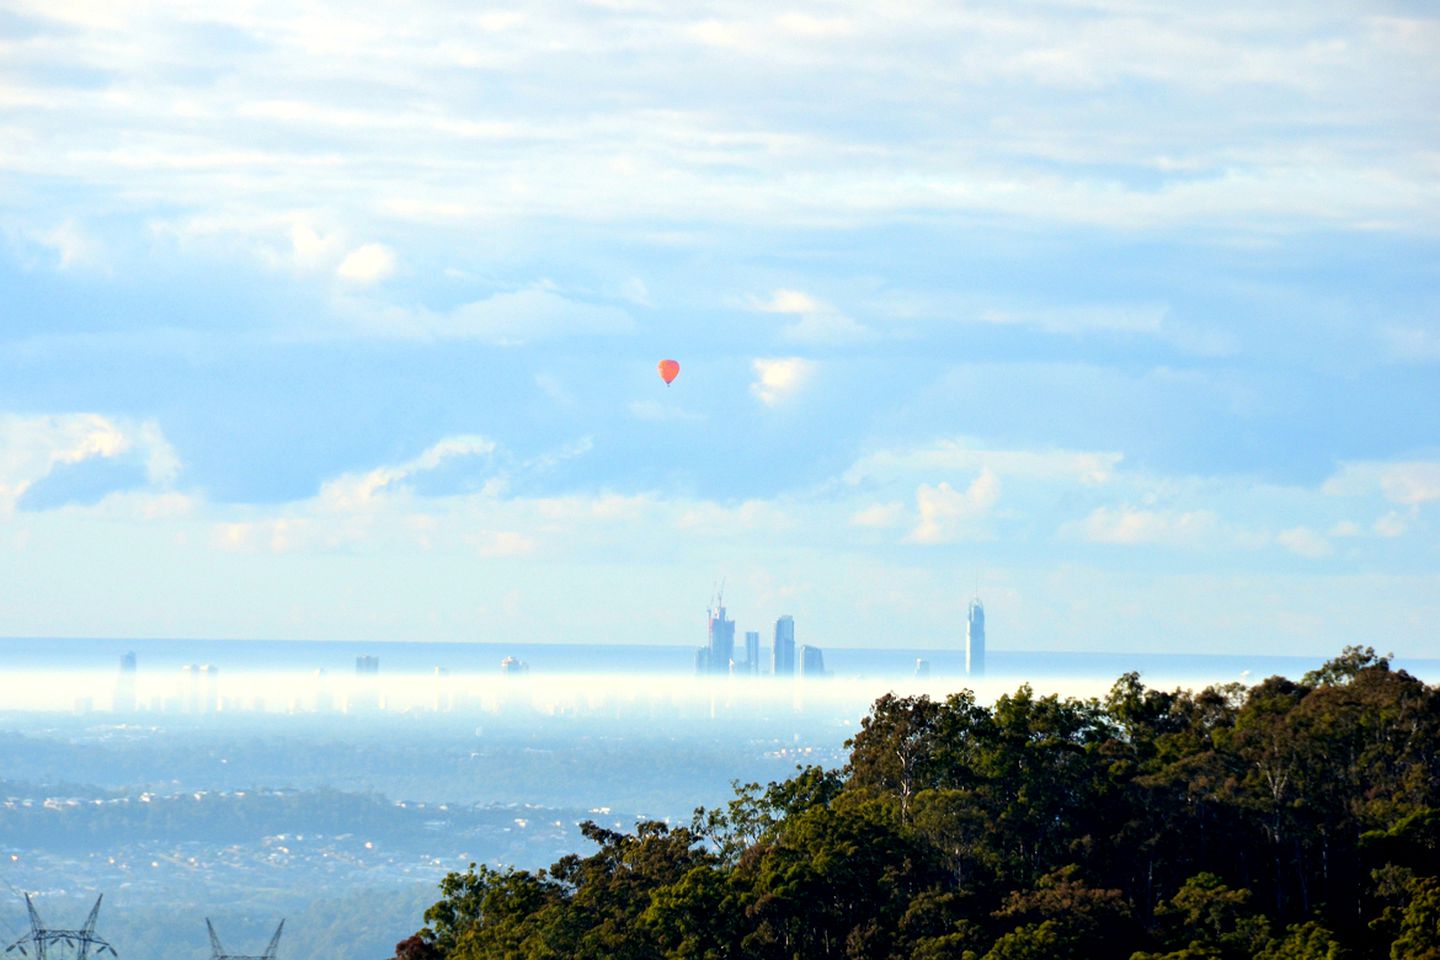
pixel 723 521
pixel 1130 527
pixel 311 249
pixel 1304 542
pixel 73 246
pixel 536 313
pixel 780 378
pixel 556 390
pixel 507 543
pixel 1145 318
pixel 879 515
pixel 947 514
pixel 367 264
pixel 808 26
pixel 1391 525
pixel 635 291
pixel 162 462
pixel 33 446
pixel 1411 484
pixel 1408 483
pixel 334 131
pixel 1152 320
pixel 790 301
pixel 817 322
pixel 825 328
pixel 363 491
pixel 1087 468
pixel 511 319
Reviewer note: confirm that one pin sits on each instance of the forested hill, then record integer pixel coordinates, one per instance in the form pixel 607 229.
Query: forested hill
pixel 1285 820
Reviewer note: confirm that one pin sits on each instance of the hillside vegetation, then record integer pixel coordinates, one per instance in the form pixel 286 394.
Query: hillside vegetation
pixel 1282 821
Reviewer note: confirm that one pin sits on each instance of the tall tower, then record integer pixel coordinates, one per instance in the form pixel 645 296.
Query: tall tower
pixel 752 651
pixel 782 651
pixel 721 647
pixel 975 640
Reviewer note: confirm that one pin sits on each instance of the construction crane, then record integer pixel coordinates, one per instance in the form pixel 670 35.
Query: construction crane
pixel 46 943
pixel 218 952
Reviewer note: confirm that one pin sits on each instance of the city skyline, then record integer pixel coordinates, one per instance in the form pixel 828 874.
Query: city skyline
pixel 310 329
pixel 717 656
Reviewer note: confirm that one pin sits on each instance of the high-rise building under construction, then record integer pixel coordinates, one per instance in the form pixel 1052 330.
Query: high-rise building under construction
pixel 719 650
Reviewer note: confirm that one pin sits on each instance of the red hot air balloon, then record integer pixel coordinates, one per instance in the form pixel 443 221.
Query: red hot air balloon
pixel 669 370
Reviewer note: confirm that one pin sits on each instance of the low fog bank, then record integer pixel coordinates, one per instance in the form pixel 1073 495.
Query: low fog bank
pixel 195 679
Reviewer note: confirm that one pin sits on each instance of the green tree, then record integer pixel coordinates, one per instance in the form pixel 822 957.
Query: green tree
pixel 1207 918
pixel 1304 941
pixel 1419 937
pixel 1068 918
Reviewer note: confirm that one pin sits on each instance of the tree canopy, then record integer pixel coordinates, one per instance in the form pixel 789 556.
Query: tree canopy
pixel 1282 821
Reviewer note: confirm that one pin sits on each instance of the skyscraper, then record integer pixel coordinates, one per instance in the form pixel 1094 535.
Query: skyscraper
pixel 812 661
pixel 721 648
pixel 752 651
pixel 782 652
pixel 975 640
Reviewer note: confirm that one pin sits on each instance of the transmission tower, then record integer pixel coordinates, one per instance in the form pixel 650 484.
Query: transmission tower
pixel 218 952
pixel 46 943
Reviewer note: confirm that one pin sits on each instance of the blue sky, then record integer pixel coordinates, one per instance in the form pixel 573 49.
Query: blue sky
pixel 327 323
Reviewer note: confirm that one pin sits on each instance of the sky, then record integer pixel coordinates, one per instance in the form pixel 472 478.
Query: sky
pixel 327 321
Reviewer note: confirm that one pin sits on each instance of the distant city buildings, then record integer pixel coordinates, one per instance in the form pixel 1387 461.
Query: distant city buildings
pixel 812 661
pixel 975 640
pixel 719 650
pixel 512 667
pixel 717 657
pixel 782 651
pixel 125 685
pixel 200 688
pixel 365 697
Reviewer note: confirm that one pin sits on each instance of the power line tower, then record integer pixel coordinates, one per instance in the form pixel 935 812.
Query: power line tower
pixel 218 952
pixel 47 943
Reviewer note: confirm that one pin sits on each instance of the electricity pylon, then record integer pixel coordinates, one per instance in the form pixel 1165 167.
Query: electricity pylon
pixel 47 943
pixel 218 952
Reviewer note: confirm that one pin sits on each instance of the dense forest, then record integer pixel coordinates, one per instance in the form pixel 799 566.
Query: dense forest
pixel 1281 821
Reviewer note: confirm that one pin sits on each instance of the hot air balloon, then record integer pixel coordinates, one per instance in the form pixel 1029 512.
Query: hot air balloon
pixel 669 370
